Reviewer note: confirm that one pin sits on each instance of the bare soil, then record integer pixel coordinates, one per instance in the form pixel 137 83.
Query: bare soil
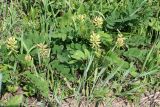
pixel 147 100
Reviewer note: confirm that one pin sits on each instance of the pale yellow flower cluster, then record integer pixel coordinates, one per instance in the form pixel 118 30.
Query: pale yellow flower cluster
pixel 11 44
pixel 98 21
pixel 81 17
pixel 120 40
pixel 95 40
pixel 44 51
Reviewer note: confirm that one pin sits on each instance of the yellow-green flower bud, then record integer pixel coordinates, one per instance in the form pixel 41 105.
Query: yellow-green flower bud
pixel 44 51
pixel 95 40
pixel 98 21
pixel 11 44
pixel 120 40
pixel 28 58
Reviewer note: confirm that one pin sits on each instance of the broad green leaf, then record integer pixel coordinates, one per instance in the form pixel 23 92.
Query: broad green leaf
pixel 80 55
pixel 135 53
pixel 105 37
pixel 115 59
pixel 57 49
pixel 137 40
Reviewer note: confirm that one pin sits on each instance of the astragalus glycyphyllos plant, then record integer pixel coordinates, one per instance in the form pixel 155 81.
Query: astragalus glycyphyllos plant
pixel 84 49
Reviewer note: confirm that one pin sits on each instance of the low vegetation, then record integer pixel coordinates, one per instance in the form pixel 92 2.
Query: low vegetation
pixel 92 50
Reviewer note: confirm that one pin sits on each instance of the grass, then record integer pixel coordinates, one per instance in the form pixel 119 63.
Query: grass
pixel 82 51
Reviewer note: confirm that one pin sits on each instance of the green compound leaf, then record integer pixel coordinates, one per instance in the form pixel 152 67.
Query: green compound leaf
pixel 38 81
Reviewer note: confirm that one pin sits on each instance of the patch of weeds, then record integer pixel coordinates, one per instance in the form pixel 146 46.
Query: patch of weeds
pixel 84 50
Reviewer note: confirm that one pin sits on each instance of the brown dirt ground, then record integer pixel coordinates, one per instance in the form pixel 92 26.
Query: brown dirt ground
pixel 147 100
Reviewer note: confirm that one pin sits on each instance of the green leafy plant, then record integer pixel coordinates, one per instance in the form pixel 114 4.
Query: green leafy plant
pixel 83 49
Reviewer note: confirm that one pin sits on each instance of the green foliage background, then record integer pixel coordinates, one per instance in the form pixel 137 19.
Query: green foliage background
pixel 71 66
